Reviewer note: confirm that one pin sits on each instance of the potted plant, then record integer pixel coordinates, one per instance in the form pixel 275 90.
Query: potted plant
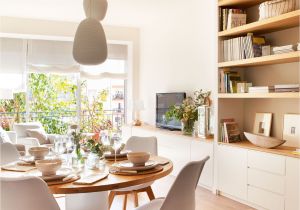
pixel 187 112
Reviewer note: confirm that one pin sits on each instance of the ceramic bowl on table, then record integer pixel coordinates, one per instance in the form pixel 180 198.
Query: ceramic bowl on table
pixel 138 158
pixel 38 153
pixel 48 167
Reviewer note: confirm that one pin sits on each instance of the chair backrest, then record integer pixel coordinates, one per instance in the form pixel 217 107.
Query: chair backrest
pixel 26 193
pixel 182 192
pixel 142 144
pixel 21 128
pixel 8 153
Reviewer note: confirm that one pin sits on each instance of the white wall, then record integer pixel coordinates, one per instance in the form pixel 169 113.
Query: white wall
pixel 178 51
pixel 177 39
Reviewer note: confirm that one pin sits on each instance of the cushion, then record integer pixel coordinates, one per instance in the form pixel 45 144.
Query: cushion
pixel 21 128
pixel 4 136
pixel 38 133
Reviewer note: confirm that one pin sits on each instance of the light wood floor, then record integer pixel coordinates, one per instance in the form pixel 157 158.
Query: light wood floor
pixel 205 200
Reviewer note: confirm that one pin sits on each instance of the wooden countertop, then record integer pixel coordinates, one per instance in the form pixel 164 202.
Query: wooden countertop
pixel 281 150
pixel 169 132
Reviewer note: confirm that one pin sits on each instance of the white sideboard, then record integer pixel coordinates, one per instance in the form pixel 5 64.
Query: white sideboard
pixel 179 148
pixel 260 179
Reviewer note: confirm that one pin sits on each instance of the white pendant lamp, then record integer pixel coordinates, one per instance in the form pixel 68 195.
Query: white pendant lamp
pixel 90 47
pixel 95 9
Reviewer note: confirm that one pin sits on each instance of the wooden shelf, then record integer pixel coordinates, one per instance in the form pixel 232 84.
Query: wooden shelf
pixel 287 95
pixel 265 60
pixel 281 150
pixel 287 20
pixel 239 3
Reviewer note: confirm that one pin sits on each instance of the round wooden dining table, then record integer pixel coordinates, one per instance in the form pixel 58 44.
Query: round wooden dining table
pixel 95 196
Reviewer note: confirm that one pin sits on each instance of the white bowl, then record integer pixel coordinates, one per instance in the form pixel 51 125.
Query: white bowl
pixel 48 167
pixel 138 158
pixel 38 153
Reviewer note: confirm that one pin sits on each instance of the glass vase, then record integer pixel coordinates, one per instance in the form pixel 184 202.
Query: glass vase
pixel 188 127
pixel 92 161
pixel 77 157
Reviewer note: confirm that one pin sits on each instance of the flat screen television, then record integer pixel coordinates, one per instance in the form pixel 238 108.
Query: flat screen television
pixel 163 102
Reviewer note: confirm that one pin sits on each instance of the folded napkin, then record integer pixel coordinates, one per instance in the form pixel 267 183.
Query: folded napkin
pixel 117 170
pixel 91 179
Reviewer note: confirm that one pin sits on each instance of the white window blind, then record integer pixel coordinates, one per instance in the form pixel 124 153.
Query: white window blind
pixel 114 67
pixel 12 55
pixel 12 63
pixel 45 56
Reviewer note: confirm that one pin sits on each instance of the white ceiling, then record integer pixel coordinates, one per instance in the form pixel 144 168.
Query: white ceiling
pixel 120 12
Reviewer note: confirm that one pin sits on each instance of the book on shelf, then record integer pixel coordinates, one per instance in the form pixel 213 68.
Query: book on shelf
pixel 231 18
pixel 228 81
pixel 240 48
pixel 261 89
pixel 230 131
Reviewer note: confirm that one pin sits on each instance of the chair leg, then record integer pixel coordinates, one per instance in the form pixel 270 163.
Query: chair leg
pixel 136 199
pixel 125 202
pixel 150 193
pixel 111 197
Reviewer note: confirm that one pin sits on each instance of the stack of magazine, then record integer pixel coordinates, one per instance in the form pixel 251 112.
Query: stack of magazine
pixel 287 88
pixel 230 132
pixel 283 49
pixel 242 48
pixel 261 89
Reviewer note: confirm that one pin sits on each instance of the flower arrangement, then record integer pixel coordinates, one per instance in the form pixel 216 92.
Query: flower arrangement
pixel 187 112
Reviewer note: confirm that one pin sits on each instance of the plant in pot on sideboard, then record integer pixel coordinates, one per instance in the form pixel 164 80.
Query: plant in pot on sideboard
pixel 187 112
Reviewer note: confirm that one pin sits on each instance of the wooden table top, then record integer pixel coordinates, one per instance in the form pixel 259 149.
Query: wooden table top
pixel 112 182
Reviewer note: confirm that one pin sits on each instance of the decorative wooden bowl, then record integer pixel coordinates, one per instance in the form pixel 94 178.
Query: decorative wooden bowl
pixel 264 141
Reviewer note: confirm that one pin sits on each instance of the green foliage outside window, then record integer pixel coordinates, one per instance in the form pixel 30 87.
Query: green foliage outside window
pixel 51 97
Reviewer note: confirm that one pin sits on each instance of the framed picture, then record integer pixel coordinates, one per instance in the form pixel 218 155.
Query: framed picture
pixel 262 124
pixel 291 130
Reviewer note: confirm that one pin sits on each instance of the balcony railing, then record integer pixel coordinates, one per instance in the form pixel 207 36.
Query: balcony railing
pixel 60 120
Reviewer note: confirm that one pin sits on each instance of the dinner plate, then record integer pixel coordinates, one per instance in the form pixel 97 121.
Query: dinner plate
pixel 126 165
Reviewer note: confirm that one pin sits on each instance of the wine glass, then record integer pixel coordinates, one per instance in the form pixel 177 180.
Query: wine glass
pixel 69 147
pixel 117 142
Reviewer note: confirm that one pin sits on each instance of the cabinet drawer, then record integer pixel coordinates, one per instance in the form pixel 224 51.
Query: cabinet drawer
pixel 265 199
pixel 266 162
pixel 268 181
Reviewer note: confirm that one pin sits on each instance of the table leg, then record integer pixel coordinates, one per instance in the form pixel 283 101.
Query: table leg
pixel 88 201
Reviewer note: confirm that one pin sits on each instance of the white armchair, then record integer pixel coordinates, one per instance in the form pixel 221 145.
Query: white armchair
pixel 11 137
pixel 23 137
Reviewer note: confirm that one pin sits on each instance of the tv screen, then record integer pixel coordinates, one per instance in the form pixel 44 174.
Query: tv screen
pixel 163 102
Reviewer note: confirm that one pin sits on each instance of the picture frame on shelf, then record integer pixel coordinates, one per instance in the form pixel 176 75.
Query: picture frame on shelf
pixel 262 124
pixel 291 130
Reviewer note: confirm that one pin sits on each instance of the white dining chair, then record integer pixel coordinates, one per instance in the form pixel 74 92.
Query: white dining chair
pixel 26 193
pixel 182 193
pixel 137 144
pixel 9 153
